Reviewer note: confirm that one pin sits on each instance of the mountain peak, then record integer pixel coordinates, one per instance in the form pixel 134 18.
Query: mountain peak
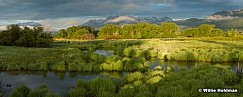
pixel 226 15
pixel 229 12
pixel 31 23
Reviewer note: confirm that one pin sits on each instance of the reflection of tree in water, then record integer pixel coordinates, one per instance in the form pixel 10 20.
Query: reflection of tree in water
pixel 29 73
pixel 112 74
pixel 60 75
pixel 72 74
pixel 75 74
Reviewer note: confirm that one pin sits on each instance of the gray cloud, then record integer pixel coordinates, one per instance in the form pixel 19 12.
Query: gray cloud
pixel 43 9
pixel 55 10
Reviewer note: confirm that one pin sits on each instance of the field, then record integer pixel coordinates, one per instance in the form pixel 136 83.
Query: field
pixel 132 55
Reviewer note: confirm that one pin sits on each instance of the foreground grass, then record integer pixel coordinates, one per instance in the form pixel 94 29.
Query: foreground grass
pixel 155 83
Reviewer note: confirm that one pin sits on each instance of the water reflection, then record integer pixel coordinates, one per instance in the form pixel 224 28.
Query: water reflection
pixel 57 81
pixel 105 52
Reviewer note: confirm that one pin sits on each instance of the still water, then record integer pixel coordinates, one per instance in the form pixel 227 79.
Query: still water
pixel 58 82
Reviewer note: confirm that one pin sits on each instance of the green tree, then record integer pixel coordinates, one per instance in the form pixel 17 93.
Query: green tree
pixel 205 30
pixel 168 29
pixel 109 31
pixel 62 33
pixel 231 33
pixel 15 36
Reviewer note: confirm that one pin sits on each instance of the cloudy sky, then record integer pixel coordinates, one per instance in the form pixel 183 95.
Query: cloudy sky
pixel 63 13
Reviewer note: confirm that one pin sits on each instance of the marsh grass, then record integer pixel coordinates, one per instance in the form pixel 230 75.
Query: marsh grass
pixel 80 56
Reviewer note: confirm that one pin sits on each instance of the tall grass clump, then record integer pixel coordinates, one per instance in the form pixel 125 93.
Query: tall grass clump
pixel 99 85
pixel 42 91
pixel 162 55
pixel 24 91
pixel 77 92
pixel 20 91
pixel 60 66
pixel 241 56
pixel 152 53
pixel 191 55
pixel 130 52
pixel 134 64
pixel 181 56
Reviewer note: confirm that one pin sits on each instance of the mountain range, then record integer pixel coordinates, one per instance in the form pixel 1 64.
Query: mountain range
pixel 121 20
pixel 223 20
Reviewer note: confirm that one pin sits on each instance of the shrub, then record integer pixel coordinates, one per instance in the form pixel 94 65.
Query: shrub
pixel 112 59
pixel 134 76
pixel 152 53
pixel 144 94
pixel 191 55
pixel 156 73
pixel 181 56
pixel 201 55
pixel 147 64
pixel 81 84
pixel 38 66
pixel 106 67
pixel 138 66
pixel 118 66
pixel 209 55
pixel 154 79
pixel 106 94
pixel 59 67
pixel 119 51
pixel 77 92
pixel 21 91
pixel 94 56
pixel 233 55
pixel 127 92
pixel 73 67
pixel 88 67
pixel 241 56
pixel 130 52
pixel 97 68
pixel 100 85
pixel 162 55
pixel 42 91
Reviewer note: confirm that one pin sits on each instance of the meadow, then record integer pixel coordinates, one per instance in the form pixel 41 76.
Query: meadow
pixel 132 55
pixel 129 54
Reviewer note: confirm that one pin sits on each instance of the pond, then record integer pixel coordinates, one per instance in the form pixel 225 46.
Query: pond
pixel 105 52
pixel 58 82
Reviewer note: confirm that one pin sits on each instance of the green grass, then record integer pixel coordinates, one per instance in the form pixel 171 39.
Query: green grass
pixel 72 57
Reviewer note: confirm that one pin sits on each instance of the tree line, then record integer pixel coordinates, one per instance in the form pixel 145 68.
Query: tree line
pixel 27 37
pixel 143 31
pixel 77 32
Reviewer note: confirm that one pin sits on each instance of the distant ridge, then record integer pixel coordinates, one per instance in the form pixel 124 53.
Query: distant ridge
pixel 122 20
pixel 223 19
pixel 31 23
